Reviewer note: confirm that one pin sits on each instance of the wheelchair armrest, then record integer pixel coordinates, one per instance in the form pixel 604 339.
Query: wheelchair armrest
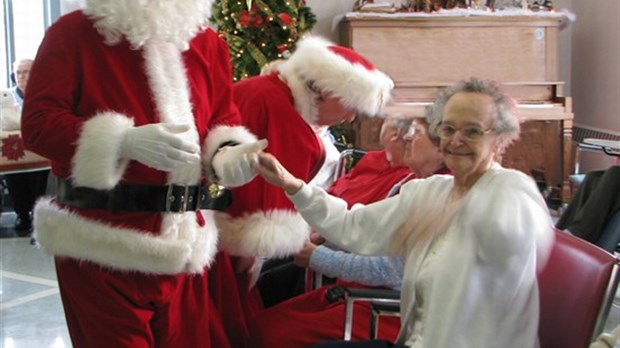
pixel 387 295
pixel 376 296
pixel 385 307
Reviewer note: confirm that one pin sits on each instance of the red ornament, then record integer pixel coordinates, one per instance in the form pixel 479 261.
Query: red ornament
pixel 13 147
pixel 285 18
pixel 245 18
pixel 258 21
pixel 282 48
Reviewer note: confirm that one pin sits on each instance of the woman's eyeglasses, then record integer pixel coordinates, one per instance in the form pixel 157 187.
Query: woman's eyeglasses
pixel 471 133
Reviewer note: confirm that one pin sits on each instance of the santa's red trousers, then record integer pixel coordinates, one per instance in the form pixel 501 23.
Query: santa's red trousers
pixel 108 308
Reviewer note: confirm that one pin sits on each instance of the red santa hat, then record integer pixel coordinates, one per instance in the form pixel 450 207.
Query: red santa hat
pixel 320 64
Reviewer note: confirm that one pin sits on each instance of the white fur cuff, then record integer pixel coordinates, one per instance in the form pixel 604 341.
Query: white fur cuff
pixel 274 233
pixel 220 135
pixel 97 163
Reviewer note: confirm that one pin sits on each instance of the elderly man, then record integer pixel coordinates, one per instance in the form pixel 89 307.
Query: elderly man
pixel 24 188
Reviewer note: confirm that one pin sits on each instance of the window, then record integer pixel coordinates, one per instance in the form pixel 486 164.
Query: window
pixel 23 25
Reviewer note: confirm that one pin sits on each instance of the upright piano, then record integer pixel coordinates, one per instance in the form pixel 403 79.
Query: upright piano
pixel 424 53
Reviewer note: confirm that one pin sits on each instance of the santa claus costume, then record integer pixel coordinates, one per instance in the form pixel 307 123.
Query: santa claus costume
pixel 282 107
pixel 131 246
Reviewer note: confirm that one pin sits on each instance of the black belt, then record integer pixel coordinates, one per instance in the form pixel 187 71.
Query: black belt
pixel 170 198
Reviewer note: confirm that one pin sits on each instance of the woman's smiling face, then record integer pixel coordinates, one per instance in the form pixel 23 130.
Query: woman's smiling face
pixel 465 156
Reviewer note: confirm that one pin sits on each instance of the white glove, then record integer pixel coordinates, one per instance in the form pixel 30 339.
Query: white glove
pixel 162 146
pixel 237 165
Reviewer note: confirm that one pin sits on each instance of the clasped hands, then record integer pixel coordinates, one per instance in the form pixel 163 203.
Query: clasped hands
pixel 166 147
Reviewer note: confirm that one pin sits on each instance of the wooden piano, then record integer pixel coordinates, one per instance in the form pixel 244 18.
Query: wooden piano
pixel 424 53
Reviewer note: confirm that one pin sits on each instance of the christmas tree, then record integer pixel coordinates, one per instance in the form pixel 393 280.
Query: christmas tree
pixel 260 31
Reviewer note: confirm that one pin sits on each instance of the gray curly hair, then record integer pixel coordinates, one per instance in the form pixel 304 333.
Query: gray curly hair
pixel 505 123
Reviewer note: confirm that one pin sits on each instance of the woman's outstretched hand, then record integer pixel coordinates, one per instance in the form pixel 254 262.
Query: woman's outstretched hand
pixel 274 173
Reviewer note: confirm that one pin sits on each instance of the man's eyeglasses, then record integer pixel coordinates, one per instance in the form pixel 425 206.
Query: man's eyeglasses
pixel 471 133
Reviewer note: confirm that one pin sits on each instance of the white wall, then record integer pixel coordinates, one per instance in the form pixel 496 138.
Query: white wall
pixel 595 70
pixel 596 64
pixel 67 6
pixel 565 46
pixel 328 14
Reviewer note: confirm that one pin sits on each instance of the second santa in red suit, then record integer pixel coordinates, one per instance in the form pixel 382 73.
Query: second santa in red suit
pixel 321 84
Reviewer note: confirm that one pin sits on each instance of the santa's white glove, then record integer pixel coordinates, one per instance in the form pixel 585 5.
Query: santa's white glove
pixel 162 146
pixel 237 165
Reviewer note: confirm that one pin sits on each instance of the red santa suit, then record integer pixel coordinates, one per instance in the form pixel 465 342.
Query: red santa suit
pixel 281 108
pixel 129 278
pixel 300 149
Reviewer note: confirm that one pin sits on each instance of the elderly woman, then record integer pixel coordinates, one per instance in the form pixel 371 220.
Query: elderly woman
pixel 472 242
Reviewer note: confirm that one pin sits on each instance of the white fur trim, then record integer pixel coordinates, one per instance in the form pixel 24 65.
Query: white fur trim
pixel 145 21
pixel 97 161
pixel 305 99
pixel 219 135
pixel 274 233
pixel 183 246
pixel 168 81
pixel 367 91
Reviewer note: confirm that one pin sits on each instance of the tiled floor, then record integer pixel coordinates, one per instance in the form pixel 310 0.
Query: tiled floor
pixel 31 314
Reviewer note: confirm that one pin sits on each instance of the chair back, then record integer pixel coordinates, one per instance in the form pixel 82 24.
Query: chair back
pixel 577 287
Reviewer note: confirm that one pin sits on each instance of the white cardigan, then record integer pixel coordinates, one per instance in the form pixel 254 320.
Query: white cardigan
pixel 484 291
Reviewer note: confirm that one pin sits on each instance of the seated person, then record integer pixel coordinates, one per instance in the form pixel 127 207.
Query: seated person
pixel 369 180
pixel 313 317
pixel 596 204
pixel 26 187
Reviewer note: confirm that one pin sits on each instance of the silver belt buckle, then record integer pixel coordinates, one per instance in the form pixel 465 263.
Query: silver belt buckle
pixel 184 199
pixel 171 198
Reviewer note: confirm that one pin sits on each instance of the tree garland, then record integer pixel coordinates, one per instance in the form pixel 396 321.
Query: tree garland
pixel 260 31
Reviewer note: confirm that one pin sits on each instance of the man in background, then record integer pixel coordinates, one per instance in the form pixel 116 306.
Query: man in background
pixel 24 188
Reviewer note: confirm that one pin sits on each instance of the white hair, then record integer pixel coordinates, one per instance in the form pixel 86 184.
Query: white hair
pixel 20 61
pixel 141 21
